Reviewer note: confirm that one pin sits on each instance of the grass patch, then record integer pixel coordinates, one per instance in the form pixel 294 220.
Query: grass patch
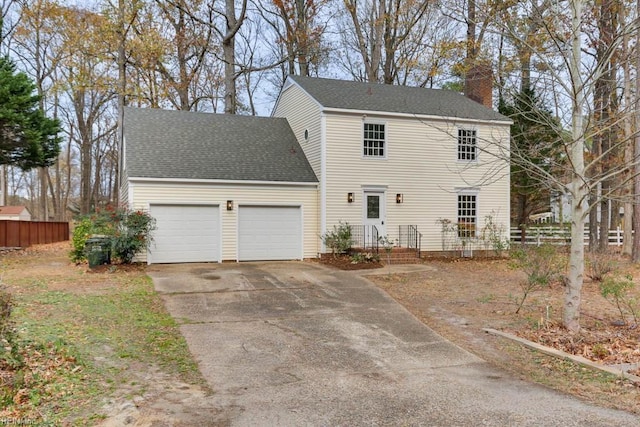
pixel 77 346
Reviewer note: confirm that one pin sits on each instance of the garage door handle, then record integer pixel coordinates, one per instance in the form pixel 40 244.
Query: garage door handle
pixel 382 223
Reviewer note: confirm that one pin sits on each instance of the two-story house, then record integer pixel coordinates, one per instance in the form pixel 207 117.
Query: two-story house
pixel 412 164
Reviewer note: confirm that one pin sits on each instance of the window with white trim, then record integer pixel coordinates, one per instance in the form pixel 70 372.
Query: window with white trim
pixel 467 215
pixel 374 142
pixel 467 145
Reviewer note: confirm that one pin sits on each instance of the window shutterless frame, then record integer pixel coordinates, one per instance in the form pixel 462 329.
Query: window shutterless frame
pixel 374 140
pixel 467 214
pixel 467 145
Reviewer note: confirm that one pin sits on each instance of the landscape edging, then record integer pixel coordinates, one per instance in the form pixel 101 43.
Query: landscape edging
pixel 563 355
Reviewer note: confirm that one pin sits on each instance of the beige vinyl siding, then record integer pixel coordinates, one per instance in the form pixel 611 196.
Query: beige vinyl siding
pixel 23 216
pixel 420 163
pixel 302 113
pixel 147 193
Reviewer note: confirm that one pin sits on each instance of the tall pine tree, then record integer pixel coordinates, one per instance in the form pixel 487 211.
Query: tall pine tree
pixel 28 138
pixel 535 150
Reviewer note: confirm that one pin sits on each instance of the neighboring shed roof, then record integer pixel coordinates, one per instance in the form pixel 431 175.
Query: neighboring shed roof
pixel 350 95
pixel 190 145
pixel 12 210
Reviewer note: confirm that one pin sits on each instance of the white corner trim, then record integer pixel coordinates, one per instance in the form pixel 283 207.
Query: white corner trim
pixel 323 178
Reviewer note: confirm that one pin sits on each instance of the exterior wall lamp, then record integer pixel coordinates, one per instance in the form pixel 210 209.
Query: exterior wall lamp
pixel 350 198
pixel 229 205
pixel 399 198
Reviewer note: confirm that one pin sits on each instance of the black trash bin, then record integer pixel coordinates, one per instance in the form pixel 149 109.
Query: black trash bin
pixel 98 250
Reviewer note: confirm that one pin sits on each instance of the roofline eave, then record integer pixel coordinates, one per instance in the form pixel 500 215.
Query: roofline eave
pixel 140 180
pixel 335 110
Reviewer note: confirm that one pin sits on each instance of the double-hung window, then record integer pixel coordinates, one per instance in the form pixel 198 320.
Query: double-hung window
pixel 467 215
pixel 467 145
pixel 374 140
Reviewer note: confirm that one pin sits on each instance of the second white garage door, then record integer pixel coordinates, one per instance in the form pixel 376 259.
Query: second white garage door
pixel 185 234
pixel 268 233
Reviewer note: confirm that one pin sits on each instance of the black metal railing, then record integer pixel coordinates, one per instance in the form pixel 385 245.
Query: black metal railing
pixel 365 237
pixel 410 237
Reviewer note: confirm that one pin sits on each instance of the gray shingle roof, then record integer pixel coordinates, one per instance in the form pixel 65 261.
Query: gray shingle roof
pixel 352 95
pixel 190 145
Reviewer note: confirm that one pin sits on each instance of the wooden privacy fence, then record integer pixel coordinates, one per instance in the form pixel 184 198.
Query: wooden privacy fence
pixel 558 236
pixel 21 234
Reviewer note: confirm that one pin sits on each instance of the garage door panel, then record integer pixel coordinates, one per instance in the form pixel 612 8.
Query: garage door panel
pixel 185 234
pixel 269 233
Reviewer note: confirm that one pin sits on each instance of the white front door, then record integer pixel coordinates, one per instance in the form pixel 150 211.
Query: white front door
pixel 374 215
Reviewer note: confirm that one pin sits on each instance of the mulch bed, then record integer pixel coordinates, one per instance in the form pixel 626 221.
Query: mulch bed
pixel 112 268
pixel 343 262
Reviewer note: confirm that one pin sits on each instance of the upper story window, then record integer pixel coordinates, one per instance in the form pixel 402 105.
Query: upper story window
pixel 467 215
pixel 467 146
pixel 374 142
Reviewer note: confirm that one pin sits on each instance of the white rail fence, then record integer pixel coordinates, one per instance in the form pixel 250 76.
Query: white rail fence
pixel 558 236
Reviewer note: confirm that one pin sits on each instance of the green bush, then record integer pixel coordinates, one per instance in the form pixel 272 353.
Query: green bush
pixel 339 239
pixel 83 229
pixel 129 232
pixel 132 235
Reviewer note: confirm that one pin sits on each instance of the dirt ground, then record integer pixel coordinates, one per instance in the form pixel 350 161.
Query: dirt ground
pixel 460 298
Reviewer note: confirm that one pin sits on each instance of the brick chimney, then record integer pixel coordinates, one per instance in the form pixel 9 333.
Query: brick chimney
pixel 478 84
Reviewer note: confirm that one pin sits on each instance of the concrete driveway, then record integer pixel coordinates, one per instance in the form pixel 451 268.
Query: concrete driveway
pixel 295 344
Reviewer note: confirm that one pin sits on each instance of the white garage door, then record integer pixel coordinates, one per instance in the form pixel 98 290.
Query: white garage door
pixel 185 234
pixel 269 233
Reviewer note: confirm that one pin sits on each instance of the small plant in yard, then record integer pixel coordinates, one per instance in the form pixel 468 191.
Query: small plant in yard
pixel 448 233
pixel 339 239
pixel 616 290
pixel 599 264
pixel 9 354
pixel 542 266
pixel 387 244
pixel 364 257
pixel 493 235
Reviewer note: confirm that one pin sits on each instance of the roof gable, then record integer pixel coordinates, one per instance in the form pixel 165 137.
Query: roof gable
pixel 360 96
pixel 191 145
pixel 12 210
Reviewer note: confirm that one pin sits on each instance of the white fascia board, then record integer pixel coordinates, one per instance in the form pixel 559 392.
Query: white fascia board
pixel 141 180
pixel 413 116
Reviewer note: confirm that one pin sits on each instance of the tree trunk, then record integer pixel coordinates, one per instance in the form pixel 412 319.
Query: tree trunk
pixel 122 88
pixel 228 50
pixel 636 180
pixel 607 24
pixel 573 287
pixel 303 37
pixel 593 219
pixel 3 185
